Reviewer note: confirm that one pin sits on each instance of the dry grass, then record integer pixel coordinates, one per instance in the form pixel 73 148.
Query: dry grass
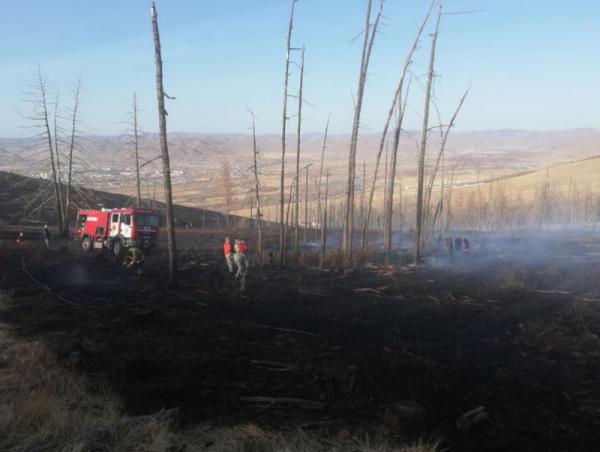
pixel 47 407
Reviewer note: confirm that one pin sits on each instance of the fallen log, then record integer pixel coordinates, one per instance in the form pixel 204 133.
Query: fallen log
pixel 302 403
pixel 285 330
pixel 275 366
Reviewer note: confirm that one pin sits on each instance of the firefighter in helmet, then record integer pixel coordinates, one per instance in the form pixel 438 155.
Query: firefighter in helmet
pixel 134 260
pixel 228 253
pixel 241 261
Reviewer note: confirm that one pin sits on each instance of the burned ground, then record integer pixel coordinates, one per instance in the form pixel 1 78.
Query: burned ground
pixel 332 351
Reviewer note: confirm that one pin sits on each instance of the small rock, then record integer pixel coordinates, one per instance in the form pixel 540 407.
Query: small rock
pixel 73 359
pixel 472 418
pixel 343 435
pixel 408 410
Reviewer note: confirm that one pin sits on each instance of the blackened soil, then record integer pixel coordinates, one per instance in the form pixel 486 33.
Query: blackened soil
pixel 450 339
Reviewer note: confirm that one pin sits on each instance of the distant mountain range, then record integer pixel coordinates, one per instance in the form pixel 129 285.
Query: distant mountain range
pixel 106 162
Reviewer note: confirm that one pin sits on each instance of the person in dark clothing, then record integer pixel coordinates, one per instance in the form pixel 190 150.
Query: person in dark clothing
pixel 46 236
pixel 466 246
pixel 458 243
pixel 449 246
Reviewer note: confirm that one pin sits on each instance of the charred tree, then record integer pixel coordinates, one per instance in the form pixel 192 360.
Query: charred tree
pixel 257 190
pixel 369 38
pixel 164 148
pixel 444 140
pixel 397 95
pixel 389 199
pixel 423 145
pixel 227 190
pixel 136 147
pixel 282 225
pixel 298 133
pixel 43 116
pixel 321 171
pixel 324 224
pixel 306 206
pixel 72 142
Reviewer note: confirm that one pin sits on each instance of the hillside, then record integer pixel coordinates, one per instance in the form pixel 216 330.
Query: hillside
pixel 559 179
pixel 106 162
pixel 29 201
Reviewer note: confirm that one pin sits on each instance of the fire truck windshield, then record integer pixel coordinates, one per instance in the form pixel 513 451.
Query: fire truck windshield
pixel 142 220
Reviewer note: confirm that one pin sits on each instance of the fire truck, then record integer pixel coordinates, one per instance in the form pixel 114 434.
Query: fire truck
pixel 117 229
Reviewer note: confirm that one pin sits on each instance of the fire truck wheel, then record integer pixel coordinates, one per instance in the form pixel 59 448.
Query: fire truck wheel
pixel 117 248
pixel 86 244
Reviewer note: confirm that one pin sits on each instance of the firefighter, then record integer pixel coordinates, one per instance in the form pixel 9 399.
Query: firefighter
pixel 466 246
pixel 134 259
pixel 228 253
pixel 450 246
pixel 46 236
pixel 241 261
pixel 458 242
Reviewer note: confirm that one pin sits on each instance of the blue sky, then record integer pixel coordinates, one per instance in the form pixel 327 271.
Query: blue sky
pixel 532 64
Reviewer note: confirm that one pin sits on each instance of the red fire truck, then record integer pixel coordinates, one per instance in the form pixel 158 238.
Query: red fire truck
pixel 117 229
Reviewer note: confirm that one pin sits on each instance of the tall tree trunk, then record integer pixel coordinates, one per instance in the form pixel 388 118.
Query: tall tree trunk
pixel 136 138
pixel 445 135
pixel 324 225
pixel 306 207
pixel 397 95
pixel 423 146
pixel 369 39
pixel 162 122
pixel 51 150
pixel 449 203
pixel 289 204
pixel 58 165
pixel 76 93
pixel 297 193
pixel 257 190
pixel 282 225
pixel 321 171
pixel 389 200
pixel 362 193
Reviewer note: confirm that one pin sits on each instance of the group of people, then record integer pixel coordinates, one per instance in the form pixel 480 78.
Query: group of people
pixel 236 256
pixel 455 245
pixel 45 236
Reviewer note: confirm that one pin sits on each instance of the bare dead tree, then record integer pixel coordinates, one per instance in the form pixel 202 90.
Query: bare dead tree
pixel 282 226
pixel 162 121
pixel 444 139
pixel 74 119
pixel 56 145
pixel 324 224
pixel 362 192
pixel 449 202
pixel 136 146
pixel 227 189
pixel 397 95
pixel 306 206
pixel 321 170
pixel 289 203
pixel 423 145
pixel 256 188
pixel 297 194
pixel 43 116
pixel 389 200
pixel 369 39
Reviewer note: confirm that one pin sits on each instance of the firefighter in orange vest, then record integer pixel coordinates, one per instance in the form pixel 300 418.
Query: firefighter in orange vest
pixel 241 260
pixel 228 252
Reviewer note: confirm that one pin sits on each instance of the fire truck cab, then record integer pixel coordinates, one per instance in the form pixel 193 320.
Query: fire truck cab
pixel 117 229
